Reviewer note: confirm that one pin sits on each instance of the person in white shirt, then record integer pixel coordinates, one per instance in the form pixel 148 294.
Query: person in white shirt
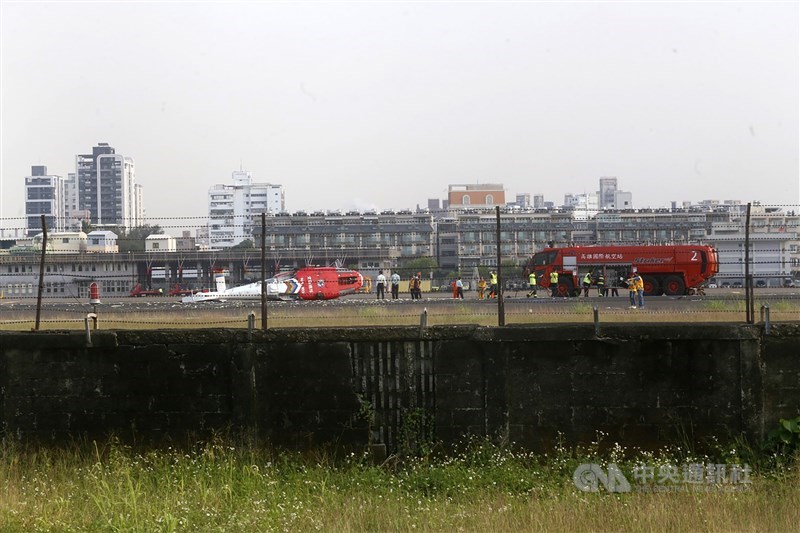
pixel 380 285
pixel 395 285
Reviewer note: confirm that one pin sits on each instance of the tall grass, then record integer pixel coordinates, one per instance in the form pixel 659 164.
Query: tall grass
pixel 222 485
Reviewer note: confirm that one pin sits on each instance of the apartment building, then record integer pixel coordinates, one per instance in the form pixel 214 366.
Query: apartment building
pixel 231 208
pixel 464 239
pixel 106 187
pixel 475 196
pixel 44 195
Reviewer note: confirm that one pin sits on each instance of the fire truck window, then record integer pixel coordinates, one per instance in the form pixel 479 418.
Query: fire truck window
pixel 544 258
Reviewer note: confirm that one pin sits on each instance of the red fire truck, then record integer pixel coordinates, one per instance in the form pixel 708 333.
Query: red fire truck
pixel 671 270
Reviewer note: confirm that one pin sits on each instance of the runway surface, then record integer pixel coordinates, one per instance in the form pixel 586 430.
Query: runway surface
pixel 715 299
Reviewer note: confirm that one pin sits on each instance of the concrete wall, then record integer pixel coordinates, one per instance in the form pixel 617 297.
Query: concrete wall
pixel 640 384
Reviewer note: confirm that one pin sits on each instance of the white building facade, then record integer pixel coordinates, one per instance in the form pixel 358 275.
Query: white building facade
pixel 102 242
pixel 584 206
pixel 232 208
pixel 773 246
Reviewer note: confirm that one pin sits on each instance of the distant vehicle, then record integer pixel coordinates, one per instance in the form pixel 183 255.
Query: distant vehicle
pixel 761 283
pixel 671 270
pixel 712 285
pixel 726 285
pixel 177 290
pixel 308 283
pixel 138 291
pixel 736 285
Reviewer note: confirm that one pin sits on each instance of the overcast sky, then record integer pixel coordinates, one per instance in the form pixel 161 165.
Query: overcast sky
pixel 376 105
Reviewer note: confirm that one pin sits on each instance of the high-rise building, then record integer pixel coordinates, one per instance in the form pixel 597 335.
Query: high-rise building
pixel 106 187
pixel 609 197
pixel 44 195
pixel 74 216
pixel 231 208
pixel 608 186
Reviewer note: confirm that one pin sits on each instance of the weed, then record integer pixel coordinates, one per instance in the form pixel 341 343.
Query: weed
pixel 225 484
pixel 785 439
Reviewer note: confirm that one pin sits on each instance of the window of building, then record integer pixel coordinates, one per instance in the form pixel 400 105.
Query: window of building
pixel 489 199
pixel 465 199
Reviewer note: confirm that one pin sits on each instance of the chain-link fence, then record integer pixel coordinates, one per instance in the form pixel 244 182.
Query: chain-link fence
pixel 709 263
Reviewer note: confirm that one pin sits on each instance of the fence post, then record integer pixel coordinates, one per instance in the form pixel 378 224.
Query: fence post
pixel 423 321
pixel 765 308
pixel 86 327
pixel 41 274
pixel 251 323
pixel 596 321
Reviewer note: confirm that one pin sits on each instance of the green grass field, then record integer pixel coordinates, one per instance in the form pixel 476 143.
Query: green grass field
pixel 226 486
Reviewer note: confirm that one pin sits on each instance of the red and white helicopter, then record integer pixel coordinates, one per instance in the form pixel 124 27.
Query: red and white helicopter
pixel 307 283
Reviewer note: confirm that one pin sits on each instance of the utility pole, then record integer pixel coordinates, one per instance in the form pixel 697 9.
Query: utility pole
pixel 501 310
pixel 263 272
pixel 748 278
pixel 41 274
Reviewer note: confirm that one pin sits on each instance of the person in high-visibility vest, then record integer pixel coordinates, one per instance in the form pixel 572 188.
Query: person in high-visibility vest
pixel 493 284
pixel 531 284
pixel 639 288
pixel 554 283
pixel 587 282
pixel 481 288
pixel 600 280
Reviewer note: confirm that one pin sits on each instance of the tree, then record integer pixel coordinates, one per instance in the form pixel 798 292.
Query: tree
pixel 511 270
pixel 133 240
pixel 420 264
pixel 244 245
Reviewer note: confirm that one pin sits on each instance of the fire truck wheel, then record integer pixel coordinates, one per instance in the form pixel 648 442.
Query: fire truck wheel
pixel 651 286
pixel 565 288
pixel 674 286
